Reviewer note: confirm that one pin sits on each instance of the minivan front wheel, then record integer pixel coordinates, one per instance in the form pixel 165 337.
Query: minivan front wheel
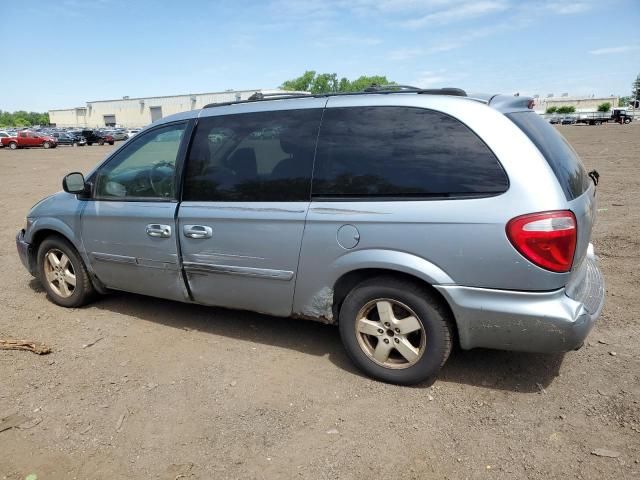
pixel 63 274
pixel 395 331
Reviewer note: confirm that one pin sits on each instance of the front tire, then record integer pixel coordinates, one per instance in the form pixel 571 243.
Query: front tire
pixel 395 331
pixel 62 273
pixel 46 145
pixel 13 145
pixel 627 121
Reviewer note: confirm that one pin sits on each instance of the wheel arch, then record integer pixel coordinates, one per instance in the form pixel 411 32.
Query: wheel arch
pixel 348 281
pixel 38 235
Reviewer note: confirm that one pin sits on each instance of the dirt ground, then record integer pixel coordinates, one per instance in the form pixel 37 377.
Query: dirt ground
pixel 144 388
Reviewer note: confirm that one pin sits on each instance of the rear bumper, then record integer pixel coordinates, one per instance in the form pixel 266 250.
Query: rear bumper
pixel 543 322
pixel 25 253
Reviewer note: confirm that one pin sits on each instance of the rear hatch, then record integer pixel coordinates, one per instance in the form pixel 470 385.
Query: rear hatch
pixel 570 172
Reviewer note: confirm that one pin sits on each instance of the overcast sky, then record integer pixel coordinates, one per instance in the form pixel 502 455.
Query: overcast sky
pixel 73 51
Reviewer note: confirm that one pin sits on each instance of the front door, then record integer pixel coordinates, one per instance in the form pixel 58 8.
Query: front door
pixel 128 228
pixel 245 200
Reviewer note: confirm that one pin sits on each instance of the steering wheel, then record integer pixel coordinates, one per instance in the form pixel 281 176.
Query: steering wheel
pixel 159 173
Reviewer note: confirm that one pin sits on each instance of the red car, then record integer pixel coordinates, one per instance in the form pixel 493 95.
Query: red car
pixel 27 139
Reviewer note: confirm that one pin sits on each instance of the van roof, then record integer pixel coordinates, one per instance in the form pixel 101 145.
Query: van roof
pixel 502 103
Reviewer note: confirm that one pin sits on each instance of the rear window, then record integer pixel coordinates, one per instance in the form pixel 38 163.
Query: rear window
pixel 402 152
pixel 562 158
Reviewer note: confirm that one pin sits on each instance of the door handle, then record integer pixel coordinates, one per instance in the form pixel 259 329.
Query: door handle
pixel 197 231
pixel 158 230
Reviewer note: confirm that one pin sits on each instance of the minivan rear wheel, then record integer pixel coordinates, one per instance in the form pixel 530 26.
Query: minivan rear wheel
pixel 395 331
pixel 63 274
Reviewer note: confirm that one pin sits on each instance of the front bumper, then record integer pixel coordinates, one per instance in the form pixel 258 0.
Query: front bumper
pixel 25 252
pixel 543 322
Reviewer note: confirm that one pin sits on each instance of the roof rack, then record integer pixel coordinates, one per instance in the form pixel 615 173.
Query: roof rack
pixel 374 88
pixel 267 96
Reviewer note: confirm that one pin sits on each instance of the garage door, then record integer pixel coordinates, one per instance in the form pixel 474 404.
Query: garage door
pixel 156 113
pixel 109 120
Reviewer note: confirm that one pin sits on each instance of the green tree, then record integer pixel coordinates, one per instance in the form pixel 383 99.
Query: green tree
pixel 313 82
pixel 300 84
pixel 551 110
pixel 23 119
pixel 604 107
pixel 624 101
pixel 635 88
pixel 566 109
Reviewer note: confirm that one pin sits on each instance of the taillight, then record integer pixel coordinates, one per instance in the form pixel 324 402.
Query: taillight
pixel 547 239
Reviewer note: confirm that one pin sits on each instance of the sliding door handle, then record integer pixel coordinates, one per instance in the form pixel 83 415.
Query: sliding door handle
pixel 158 230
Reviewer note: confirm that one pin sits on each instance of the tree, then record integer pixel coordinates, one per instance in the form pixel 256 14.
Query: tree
pixel 604 107
pixel 635 88
pixel 23 119
pixel 313 82
pixel 551 110
pixel 624 101
pixel 566 109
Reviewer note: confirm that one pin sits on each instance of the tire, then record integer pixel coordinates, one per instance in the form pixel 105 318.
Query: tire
pixel 46 145
pixel 55 279
pixel 74 144
pixel 111 143
pixel 13 145
pixel 627 121
pixel 89 143
pixel 101 142
pixel 430 339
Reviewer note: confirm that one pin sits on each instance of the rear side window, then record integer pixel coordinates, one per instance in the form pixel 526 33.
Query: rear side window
pixel 253 157
pixel 562 158
pixel 402 152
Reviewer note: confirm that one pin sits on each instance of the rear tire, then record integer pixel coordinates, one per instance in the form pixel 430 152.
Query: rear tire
pixel 63 274
pixel 111 143
pixel 395 331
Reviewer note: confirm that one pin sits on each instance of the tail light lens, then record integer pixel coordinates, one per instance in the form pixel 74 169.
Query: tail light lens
pixel 547 239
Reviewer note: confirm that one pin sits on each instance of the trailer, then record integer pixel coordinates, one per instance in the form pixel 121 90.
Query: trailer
pixel 617 115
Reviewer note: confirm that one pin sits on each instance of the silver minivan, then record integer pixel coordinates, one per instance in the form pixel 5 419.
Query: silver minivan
pixel 414 219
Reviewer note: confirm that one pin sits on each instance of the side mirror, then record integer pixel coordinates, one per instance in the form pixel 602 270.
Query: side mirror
pixel 74 183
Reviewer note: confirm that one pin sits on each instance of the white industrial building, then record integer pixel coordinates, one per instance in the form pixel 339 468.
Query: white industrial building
pixel 138 112
pixel 581 103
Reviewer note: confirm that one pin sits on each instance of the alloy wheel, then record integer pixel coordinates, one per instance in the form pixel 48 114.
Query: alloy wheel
pixel 390 333
pixel 59 273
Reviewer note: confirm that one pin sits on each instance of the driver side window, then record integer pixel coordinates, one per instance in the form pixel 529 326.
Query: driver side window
pixel 143 169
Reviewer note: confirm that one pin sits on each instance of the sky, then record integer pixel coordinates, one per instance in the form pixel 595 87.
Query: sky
pixel 73 51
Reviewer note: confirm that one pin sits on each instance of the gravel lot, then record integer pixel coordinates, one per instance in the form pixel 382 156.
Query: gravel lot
pixel 175 391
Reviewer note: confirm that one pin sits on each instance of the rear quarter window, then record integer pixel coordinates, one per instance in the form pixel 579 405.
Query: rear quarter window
pixel 402 152
pixel 560 155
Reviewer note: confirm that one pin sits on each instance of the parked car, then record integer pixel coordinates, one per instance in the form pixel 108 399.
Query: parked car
pixel 413 219
pixel 94 136
pixel 70 139
pixel 28 139
pixel 568 121
pixel 554 120
pixel 118 134
pixel 4 135
pixel 132 132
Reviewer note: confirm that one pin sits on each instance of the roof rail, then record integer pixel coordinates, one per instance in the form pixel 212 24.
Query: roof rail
pixel 266 96
pixel 374 88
